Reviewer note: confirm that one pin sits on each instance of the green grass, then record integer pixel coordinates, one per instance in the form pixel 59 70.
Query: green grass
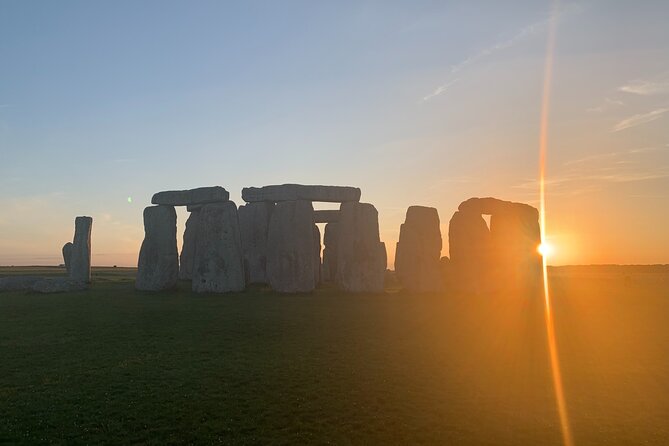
pixel 113 365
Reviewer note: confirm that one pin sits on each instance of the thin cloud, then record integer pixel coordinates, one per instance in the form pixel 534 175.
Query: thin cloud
pixel 646 87
pixel 639 119
pixel 606 105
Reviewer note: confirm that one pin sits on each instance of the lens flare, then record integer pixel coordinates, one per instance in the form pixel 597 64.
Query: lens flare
pixel 543 145
pixel 545 249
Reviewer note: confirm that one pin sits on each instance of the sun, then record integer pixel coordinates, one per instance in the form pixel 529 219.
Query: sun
pixel 545 249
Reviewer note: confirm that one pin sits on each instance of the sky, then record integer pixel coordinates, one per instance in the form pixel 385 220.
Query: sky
pixel 427 103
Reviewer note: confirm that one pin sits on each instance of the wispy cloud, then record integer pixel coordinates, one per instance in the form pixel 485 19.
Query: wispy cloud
pixel 645 87
pixel 606 105
pixel 639 119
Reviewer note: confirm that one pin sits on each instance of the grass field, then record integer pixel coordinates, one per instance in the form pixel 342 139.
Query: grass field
pixel 113 365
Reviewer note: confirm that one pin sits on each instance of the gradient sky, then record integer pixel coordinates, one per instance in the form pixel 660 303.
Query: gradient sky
pixel 417 102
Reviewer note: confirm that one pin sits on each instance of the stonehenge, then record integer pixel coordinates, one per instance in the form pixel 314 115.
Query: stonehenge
pixel 77 254
pixel 67 255
pixel 418 251
pixel 201 195
pixel 253 226
pixel 187 256
pixel 218 265
pixel 326 216
pixel 158 264
pixel 361 256
pixel 329 271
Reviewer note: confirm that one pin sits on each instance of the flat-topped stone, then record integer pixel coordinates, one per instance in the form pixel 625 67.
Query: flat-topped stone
pixel 493 206
pixel 292 192
pixel 327 216
pixel 200 195
pixel 158 264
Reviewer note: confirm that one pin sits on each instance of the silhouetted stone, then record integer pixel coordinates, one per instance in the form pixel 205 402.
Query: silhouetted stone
pixel 67 256
pixel 317 255
pixel 200 195
pixel 326 216
pixel 158 264
pixel 290 247
pixel 254 226
pixel 418 251
pixel 293 192
pixel 329 271
pixel 80 257
pixel 188 247
pixel 361 257
pixel 218 265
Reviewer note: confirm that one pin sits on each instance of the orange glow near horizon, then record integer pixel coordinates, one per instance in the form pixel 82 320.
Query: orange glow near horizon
pixel 544 248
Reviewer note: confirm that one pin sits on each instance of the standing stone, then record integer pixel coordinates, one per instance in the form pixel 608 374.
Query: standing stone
pixel 326 216
pixel 317 255
pixel 188 248
pixel 290 247
pixel 330 252
pixel 361 256
pixel 67 256
pixel 253 226
pixel 158 265
pixel 419 250
pixel 80 258
pixel 218 266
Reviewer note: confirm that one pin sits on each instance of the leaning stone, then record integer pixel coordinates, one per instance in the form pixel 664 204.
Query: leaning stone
pixel 418 251
pixel 361 257
pixel 188 247
pixel 58 285
pixel 253 227
pixel 200 195
pixel 67 255
pixel 158 265
pixel 218 266
pixel 326 216
pixel 290 248
pixel 18 283
pixel 80 258
pixel 292 192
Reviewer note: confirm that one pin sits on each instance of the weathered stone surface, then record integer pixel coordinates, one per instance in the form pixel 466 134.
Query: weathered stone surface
pixel 18 283
pixel 293 192
pixel 469 240
pixel 218 266
pixel 200 195
pixel 361 257
pixel 80 258
pixel 158 265
pixel 419 250
pixel 317 255
pixel 67 255
pixel 326 216
pixel 58 285
pixel 290 247
pixel 493 206
pixel 188 247
pixel 254 226
pixel 329 271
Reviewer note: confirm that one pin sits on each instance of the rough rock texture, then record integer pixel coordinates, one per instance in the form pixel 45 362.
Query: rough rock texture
pixel 361 257
pixel 329 271
pixel 201 195
pixel 80 258
pixel 317 255
pixel 158 265
pixel 326 216
pixel 188 247
pixel 290 247
pixel 418 251
pixel 67 255
pixel 292 192
pixel 58 285
pixel 253 226
pixel 494 206
pixel 218 266
pixel 18 283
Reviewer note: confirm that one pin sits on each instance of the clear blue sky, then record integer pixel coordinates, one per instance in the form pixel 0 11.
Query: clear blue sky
pixel 414 102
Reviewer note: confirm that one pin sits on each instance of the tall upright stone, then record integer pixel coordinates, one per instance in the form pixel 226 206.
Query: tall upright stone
pixel 218 265
pixel 188 247
pixel 419 250
pixel 290 247
pixel 254 226
pixel 317 255
pixel 67 256
pixel 80 258
pixel 330 252
pixel 158 264
pixel 361 256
